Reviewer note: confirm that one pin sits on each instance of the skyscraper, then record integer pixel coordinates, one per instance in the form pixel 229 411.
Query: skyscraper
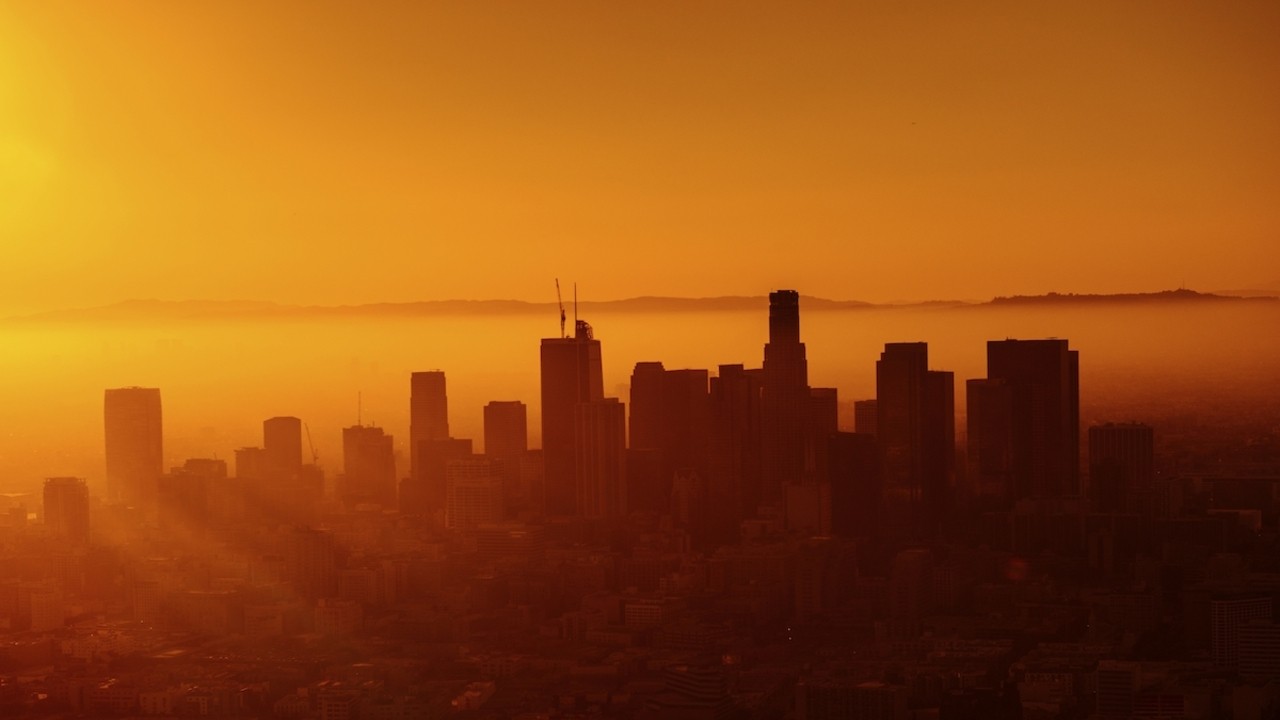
pixel 1121 466
pixel 571 374
pixel 368 464
pixel 506 444
pixel 901 375
pixel 506 428
pixel 601 434
pixel 989 453
pixel 670 418
pixel 785 398
pixel 282 443
pixel 915 427
pixel 428 414
pixel 66 508
pixel 733 484
pixel 134 444
pixel 1043 379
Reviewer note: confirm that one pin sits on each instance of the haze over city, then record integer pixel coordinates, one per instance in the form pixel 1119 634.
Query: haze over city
pixel 553 361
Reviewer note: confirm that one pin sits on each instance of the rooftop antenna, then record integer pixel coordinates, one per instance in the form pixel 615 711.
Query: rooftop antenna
pixel 575 307
pixel 561 303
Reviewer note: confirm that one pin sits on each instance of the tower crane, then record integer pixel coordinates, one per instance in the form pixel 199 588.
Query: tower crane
pixel 560 302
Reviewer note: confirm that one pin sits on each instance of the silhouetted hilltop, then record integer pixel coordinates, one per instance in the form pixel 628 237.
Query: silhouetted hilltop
pixel 1164 296
pixel 204 310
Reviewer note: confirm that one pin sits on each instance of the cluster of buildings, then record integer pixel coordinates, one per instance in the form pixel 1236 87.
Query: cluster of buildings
pixel 717 546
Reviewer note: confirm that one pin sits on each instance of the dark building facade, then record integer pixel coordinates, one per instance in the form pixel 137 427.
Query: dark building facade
pixel 134 444
pixel 571 374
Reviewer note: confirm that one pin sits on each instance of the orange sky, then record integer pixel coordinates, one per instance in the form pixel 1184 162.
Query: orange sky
pixel 354 152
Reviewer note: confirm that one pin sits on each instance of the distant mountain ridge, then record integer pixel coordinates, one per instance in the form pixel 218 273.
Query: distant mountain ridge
pixel 196 310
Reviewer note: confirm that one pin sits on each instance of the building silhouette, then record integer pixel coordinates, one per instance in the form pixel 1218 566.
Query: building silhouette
pixel 506 443
pixel 1032 419
pixel 134 444
pixel 915 429
pixel 66 508
pixel 571 374
pixel 735 450
pixel 785 398
pixel 669 432
pixel 600 427
pixel 282 446
pixel 1121 466
pixel 428 414
pixel 368 465
pixel 474 495
pixel 866 417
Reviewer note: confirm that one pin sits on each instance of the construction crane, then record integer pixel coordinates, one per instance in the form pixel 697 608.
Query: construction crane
pixel 315 456
pixel 560 301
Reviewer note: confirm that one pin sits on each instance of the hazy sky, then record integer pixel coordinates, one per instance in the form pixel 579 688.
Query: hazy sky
pixel 377 151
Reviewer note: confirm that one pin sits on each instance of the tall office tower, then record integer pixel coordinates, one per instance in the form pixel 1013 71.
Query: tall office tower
pixel 251 463
pixel 571 374
pixel 506 443
pixel 474 493
pixel 1121 467
pixel 134 443
pixel 670 416
pixel 1044 388
pixel 368 465
pixel 785 398
pixel 601 430
pixel 506 428
pixel 733 485
pixel 648 382
pixel 989 451
pixel 189 495
pixel 282 443
pixel 865 417
pixel 854 471
pixel 428 414
pixel 311 562
pixel 427 494
pixel 901 376
pixel 1227 616
pixel 66 508
pixel 939 445
pixel 915 428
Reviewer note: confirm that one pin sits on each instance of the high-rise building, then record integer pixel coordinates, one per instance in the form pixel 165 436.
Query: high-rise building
pixel 427 494
pixel 733 486
pixel 915 428
pixel 785 398
pixel 989 451
pixel 866 417
pixel 571 374
pixel 474 493
pixel 134 444
pixel 506 428
pixel 282 443
pixel 648 385
pixel 854 471
pixel 670 418
pixel 506 443
pixel 1121 466
pixel 369 466
pixel 901 376
pixel 428 414
pixel 1043 379
pixel 66 508
pixel 1259 649
pixel 601 430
